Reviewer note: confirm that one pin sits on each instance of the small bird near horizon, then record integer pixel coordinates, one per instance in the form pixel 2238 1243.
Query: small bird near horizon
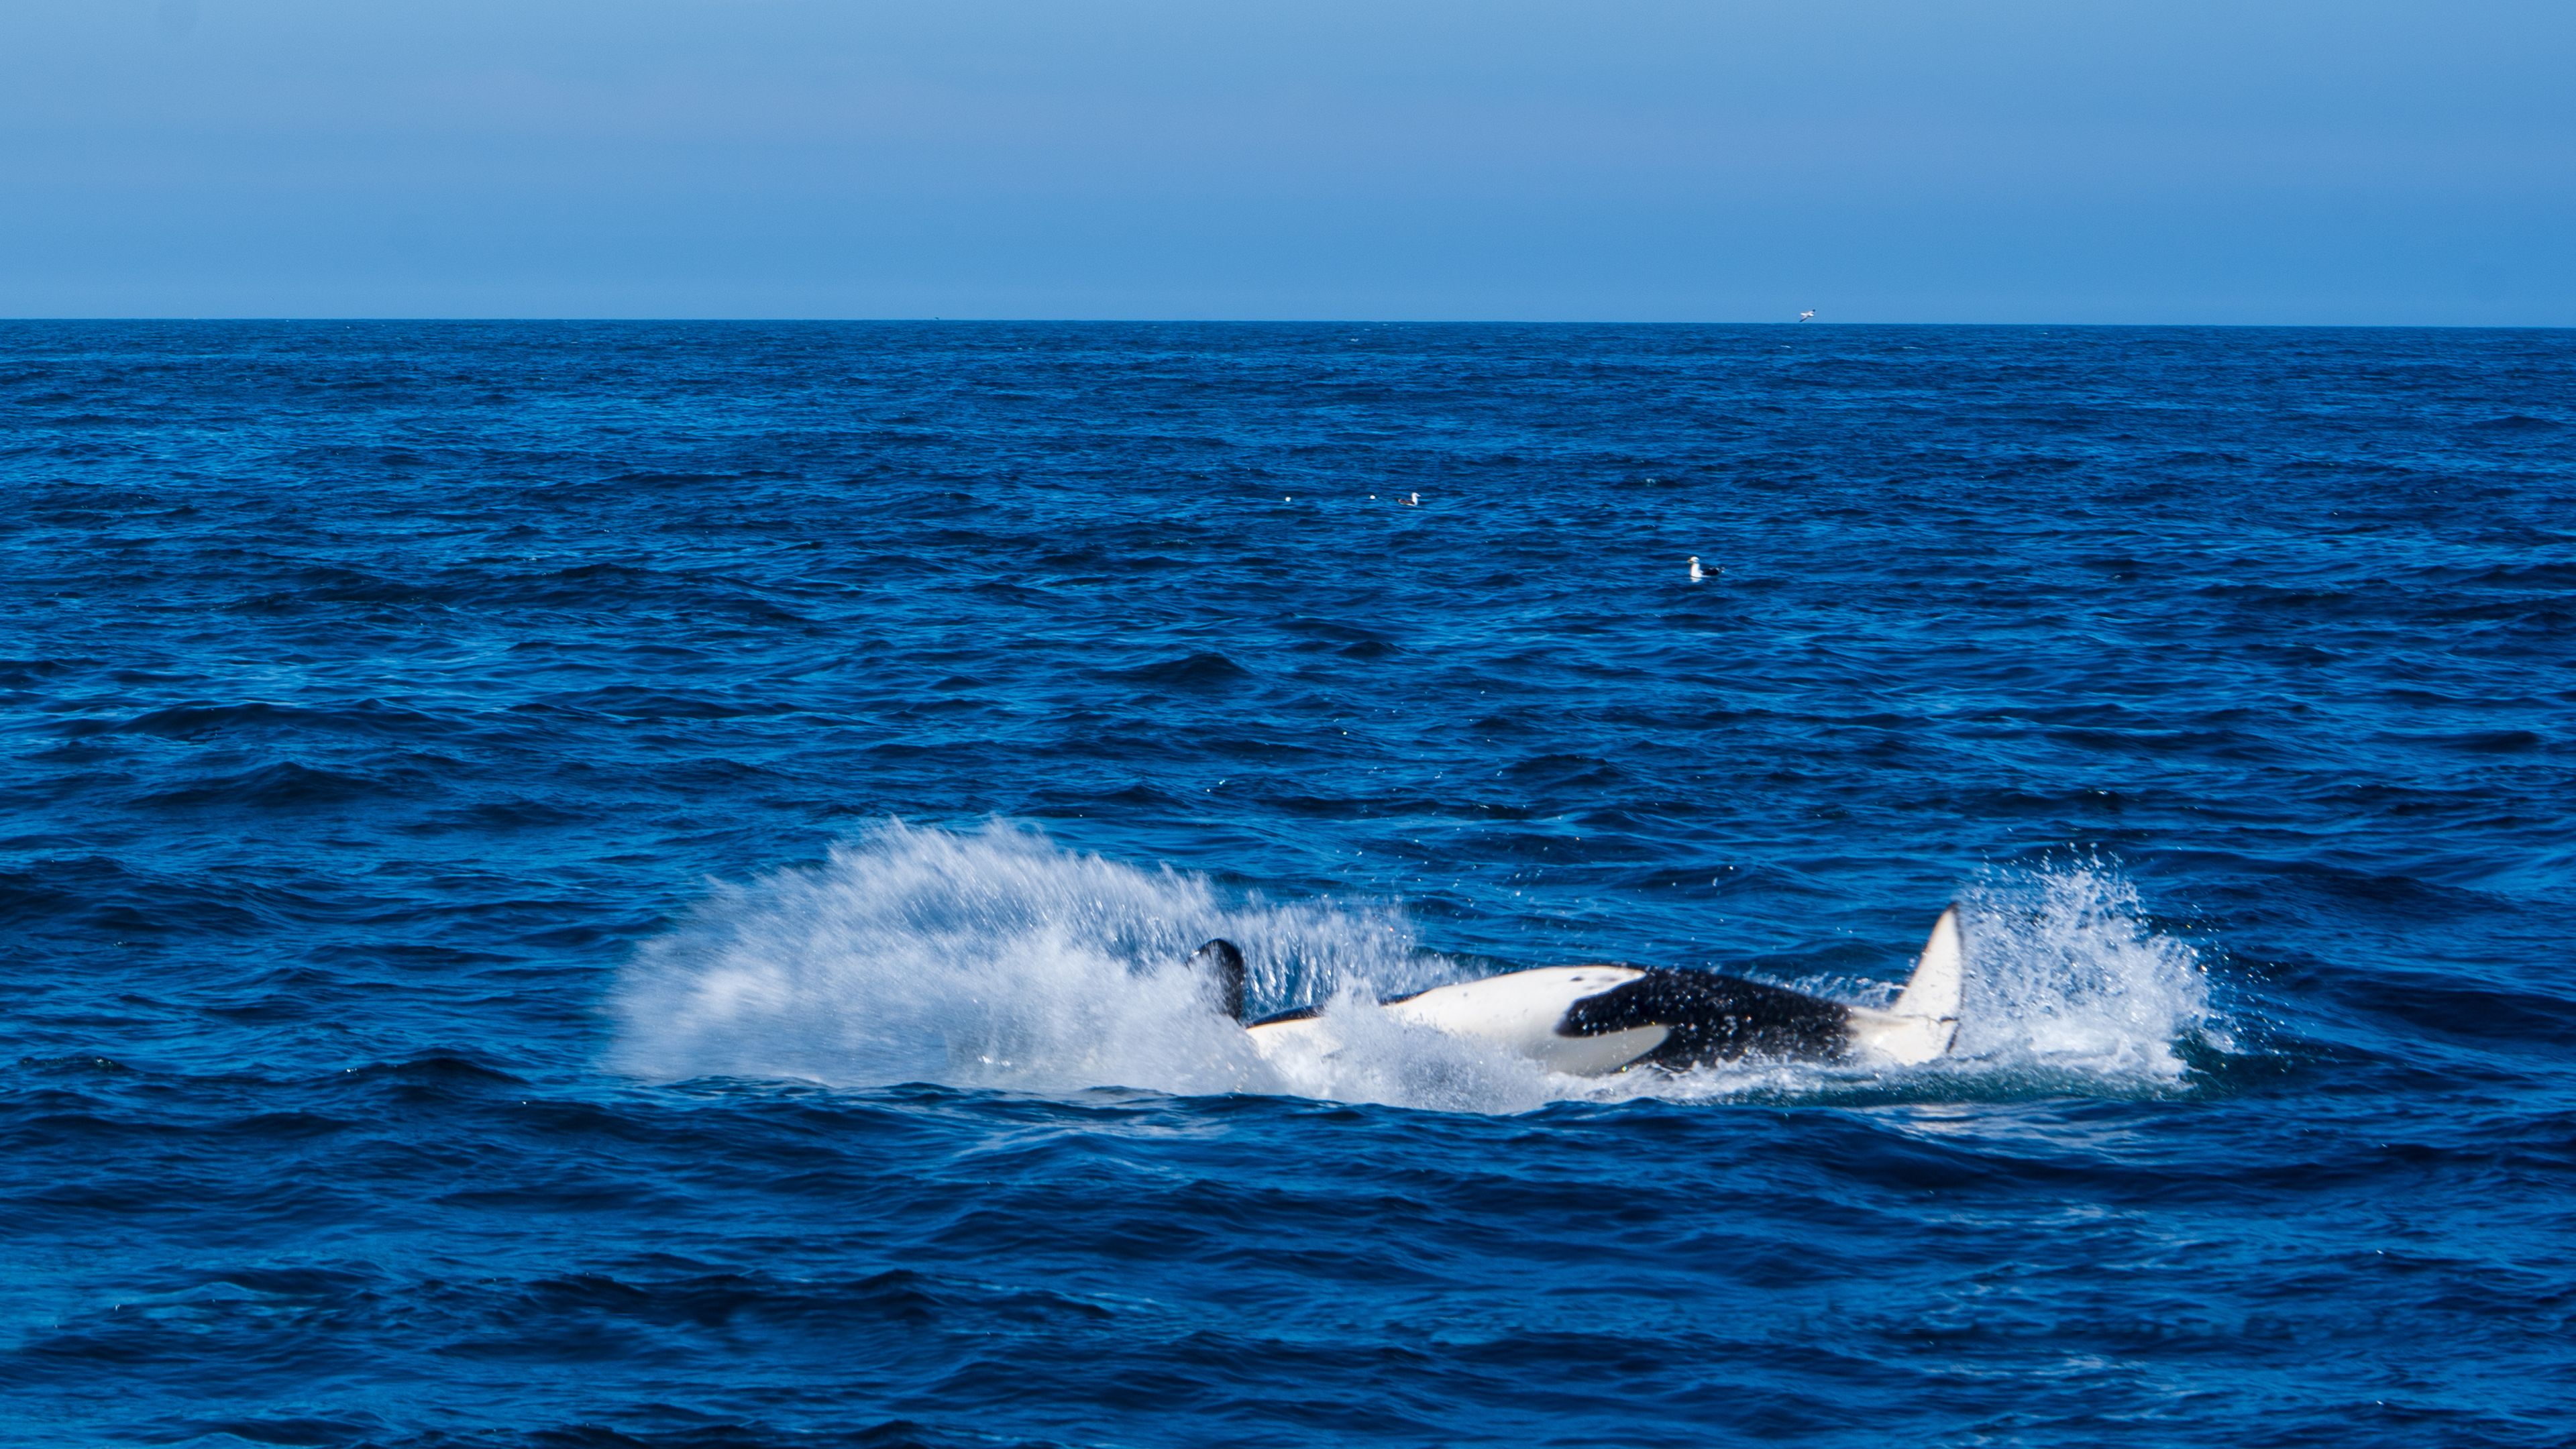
pixel 1807 316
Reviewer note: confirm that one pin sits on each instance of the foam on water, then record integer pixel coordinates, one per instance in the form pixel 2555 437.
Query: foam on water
pixel 997 959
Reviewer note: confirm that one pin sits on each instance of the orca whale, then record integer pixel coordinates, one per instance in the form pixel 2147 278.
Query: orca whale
pixel 1601 1019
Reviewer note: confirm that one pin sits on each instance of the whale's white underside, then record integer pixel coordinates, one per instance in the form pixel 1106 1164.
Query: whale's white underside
pixel 1519 1012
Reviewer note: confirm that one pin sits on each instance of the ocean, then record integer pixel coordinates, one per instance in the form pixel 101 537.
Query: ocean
pixel 624 884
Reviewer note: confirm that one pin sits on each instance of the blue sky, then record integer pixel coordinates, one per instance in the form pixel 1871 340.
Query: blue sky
pixel 2257 161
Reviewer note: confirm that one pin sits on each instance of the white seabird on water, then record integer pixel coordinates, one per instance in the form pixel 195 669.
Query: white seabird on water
pixel 1696 575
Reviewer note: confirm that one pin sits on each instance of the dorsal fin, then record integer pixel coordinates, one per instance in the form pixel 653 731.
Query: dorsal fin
pixel 1220 963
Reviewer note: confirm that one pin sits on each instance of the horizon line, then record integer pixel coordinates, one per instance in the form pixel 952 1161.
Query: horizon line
pixel 1001 321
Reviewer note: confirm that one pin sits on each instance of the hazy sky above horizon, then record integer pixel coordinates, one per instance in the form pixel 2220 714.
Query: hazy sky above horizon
pixel 1987 160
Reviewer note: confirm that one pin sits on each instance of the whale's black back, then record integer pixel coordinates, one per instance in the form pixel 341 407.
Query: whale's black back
pixel 1714 1018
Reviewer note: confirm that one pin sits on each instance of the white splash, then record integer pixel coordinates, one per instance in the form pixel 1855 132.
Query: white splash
pixel 991 959
pixel 2066 977
pixel 997 959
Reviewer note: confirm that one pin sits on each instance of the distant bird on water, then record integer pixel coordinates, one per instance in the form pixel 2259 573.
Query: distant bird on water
pixel 1807 316
pixel 1696 575
pixel 1414 502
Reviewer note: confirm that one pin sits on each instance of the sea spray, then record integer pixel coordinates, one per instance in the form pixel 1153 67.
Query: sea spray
pixel 998 959
pixel 991 958
pixel 2068 977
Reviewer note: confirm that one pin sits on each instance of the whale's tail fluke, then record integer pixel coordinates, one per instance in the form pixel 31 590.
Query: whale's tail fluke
pixel 1925 1018
pixel 1220 965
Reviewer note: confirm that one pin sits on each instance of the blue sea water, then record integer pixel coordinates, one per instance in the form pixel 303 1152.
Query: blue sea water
pixel 620 884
